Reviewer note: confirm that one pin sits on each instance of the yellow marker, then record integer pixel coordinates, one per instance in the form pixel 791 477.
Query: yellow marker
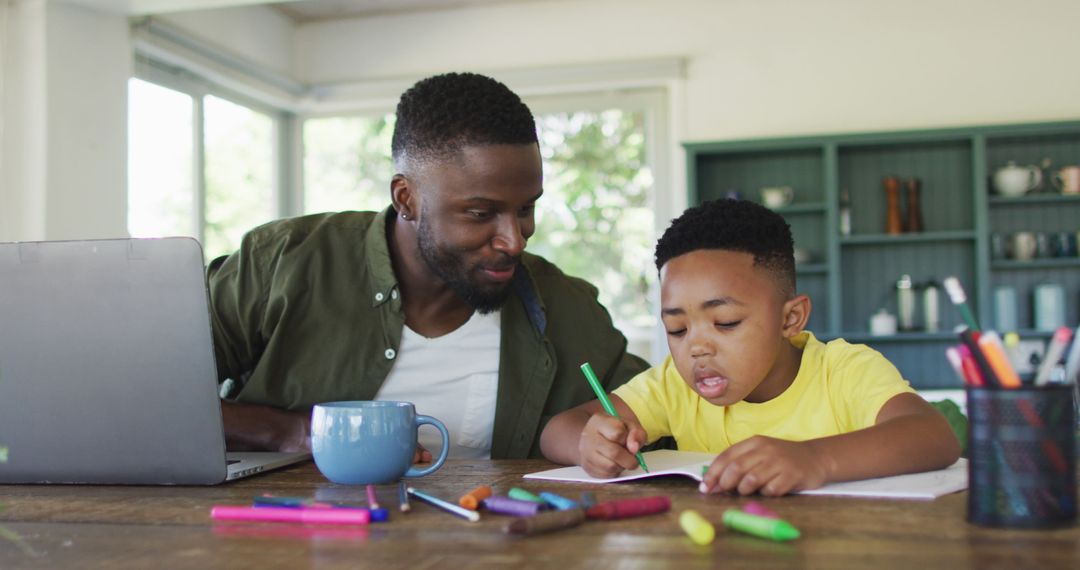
pixel 696 527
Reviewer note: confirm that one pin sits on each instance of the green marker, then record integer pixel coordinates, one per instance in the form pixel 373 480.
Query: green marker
pixel 772 529
pixel 606 402
pixel 3 454
pixel 523 495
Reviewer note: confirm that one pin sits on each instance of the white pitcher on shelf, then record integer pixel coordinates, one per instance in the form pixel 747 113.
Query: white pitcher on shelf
pixel 1012 180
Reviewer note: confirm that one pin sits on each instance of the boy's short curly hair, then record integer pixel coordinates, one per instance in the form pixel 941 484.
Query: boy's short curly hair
pixel 441 114
pixel 733 225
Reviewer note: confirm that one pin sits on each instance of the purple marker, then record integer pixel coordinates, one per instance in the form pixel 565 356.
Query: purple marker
pixel 756 508
pixel 513 507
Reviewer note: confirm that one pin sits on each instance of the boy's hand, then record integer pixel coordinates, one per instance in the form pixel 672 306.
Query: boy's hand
pixel 608 444
pixel 422 455
pixel 766 465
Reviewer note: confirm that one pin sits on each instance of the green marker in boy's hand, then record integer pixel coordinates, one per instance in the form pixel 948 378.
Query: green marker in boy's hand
pixel 606 403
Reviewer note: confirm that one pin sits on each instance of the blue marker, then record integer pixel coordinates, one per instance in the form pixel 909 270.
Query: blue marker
pixel 560 503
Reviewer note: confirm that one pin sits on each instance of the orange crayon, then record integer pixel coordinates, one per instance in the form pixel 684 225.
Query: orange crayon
pixel 471 500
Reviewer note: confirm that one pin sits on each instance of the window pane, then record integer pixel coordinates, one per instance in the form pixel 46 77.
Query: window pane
pixel 161 169
pixel 240 179
pixel 595 220
pixel 347 163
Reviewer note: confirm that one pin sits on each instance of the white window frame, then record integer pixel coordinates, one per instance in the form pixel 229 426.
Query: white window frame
pixel 286 148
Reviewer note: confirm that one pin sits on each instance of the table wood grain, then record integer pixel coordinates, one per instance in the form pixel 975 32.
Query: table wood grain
pixel 57 526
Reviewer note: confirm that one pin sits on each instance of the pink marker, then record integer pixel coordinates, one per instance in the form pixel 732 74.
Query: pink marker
pixel 756 508
pixel 292 515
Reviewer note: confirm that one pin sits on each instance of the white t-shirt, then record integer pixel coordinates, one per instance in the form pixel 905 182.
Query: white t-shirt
pixel 454 378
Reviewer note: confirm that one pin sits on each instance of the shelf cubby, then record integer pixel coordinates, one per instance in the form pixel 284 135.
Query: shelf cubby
pixel 849 277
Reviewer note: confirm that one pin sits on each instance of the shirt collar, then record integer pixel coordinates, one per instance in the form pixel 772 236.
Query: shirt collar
pixel 384 285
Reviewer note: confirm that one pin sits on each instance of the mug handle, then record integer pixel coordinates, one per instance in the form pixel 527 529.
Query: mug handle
pixel 1059 181
pixel 421 420
pixel 1034 178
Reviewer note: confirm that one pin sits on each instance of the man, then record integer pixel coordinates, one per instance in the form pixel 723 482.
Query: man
pixel 432 301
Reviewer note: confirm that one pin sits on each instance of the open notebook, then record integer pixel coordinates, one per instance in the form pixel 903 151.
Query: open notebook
pixel 924 486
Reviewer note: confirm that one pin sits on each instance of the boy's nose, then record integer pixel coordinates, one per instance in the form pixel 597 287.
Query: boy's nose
pixel 700 347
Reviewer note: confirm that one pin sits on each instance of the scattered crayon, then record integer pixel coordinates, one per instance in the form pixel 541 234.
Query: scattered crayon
pixel 289 514
pixel 588 499
pixel 403 497
pixel 559 503
pixel 627 508
pixel 268 501
pixel 523 495
pixel 371 501
pixel 772 529
pixel 471 516
pixel 756 508
pixel 514 507
pixel 471 500
pixel 545 522
pixel 696 527
pixel 291 502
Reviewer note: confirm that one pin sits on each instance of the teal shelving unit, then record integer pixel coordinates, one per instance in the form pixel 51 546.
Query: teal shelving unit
pixel 850 277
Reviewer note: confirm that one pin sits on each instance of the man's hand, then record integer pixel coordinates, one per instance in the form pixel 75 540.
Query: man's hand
pixel 262 428
pixel 766 465
pixel 608 444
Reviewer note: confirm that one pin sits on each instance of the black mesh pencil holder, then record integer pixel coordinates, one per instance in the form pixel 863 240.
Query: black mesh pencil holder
pixel 1022 456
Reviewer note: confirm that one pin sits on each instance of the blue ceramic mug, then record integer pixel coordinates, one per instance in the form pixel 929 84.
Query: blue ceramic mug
pixel 370 442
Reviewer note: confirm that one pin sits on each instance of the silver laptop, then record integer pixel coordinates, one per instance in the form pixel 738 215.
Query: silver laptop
pixel 107 370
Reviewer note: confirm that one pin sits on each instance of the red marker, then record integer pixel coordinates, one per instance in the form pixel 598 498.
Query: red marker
pixel 627 508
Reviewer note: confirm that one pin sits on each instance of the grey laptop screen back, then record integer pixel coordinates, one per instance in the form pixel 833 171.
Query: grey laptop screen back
pixel 107 370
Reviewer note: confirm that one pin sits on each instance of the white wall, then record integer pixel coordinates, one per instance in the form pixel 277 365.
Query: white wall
pixel 755 67
pixel 64 114
pixel 258 34
pixel 88 65
pixel 22 119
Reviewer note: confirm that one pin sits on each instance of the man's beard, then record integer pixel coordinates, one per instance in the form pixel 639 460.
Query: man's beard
pixel 451 268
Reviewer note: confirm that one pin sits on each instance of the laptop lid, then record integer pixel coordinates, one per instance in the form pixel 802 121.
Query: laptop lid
pixel 107 370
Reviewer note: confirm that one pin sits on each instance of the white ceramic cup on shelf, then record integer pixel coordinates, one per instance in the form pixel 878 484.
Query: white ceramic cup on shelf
pixel 777 196
pixel 1023 245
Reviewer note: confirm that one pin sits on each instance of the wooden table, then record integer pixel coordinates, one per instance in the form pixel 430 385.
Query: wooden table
pixel 170 527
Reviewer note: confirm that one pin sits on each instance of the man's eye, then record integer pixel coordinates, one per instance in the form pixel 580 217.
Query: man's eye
pixel 480 214
pixel 527 211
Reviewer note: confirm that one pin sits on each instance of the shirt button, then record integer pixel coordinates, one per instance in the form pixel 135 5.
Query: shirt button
pixel 378 296
pixel 390 354
pixel 393 294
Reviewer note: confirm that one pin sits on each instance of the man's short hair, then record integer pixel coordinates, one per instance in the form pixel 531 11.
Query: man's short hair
pixel 733 225
pixel 442 114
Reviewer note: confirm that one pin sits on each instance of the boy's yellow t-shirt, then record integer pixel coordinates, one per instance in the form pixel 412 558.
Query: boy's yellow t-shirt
pixel 840 388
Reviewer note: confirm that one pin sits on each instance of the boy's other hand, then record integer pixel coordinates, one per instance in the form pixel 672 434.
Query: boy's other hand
pixel 422 455
pixel 608 444
pixel 765 465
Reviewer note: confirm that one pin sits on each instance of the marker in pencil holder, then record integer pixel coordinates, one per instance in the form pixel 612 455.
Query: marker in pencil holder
pixel 1022 456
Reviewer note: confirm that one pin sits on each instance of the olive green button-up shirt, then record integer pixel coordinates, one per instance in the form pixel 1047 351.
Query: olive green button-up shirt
pixel 309 310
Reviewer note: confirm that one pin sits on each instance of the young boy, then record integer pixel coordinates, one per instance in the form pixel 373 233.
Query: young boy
pixel 784 411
